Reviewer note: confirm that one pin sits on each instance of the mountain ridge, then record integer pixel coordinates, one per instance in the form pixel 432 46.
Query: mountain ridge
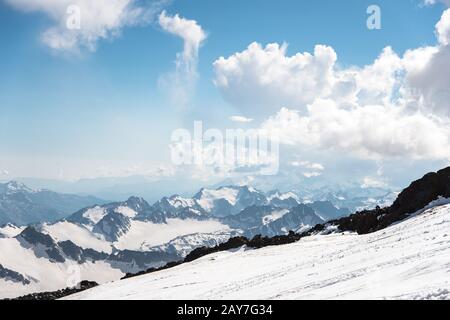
pixel 22 205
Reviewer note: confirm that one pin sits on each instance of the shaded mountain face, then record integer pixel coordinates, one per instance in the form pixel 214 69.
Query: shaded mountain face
pixel 21 205
pixel 230 200
pixel 13 276
pixel 112 226
pixel 327 211
pixel 297 219
pixel 271 221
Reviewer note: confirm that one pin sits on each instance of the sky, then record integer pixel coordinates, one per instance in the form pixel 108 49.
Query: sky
pixel 103 98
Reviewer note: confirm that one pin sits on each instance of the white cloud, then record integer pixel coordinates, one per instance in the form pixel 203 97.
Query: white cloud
pixel 259 78
pixel 262 80
pixel 443 28
pixel 369 132
pixel 433 2
pixel 99 19
pixel 312 174
pixel 373 182
pixel 188 30
pixel 312 169
pixel 308 165
pixel 396 107
pixel 240 119
pixel 180 84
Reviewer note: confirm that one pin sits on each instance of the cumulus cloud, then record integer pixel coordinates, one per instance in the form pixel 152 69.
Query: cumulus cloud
pixel 443 28
pixel 396 107
pixel 99 19
pixel 369 132
pixel 427 84
pixel 180 83
pixel 259 77
pixel 265 79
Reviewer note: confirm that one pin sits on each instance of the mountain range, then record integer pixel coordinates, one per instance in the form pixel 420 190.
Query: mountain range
pixel 397 252
pixel 105 242
pixel 405 261
pixel 108 241
pixel 21 205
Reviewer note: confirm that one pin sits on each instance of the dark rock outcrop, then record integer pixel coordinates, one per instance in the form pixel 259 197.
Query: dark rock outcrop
pixel 13 276
pixel 84 285
pixel 79 254
pixel 127 260
pixel 414 198
pixel 258 220
pixel 38 242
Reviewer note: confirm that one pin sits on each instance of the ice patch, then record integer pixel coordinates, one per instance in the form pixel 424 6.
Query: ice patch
pixel 95 214
pixel 210 196
pixel 126 211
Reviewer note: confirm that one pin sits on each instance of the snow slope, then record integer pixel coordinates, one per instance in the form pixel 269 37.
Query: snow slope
pixel 153 235
pixel 9 230
pixel 43 275
pixel 408 260
pixel 78 234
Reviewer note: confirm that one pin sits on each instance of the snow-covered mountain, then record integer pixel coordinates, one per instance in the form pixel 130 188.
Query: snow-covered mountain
pixel 103 243
pixel 131 236
pixel 400 251
pixel 22 205
pixel 343 193
pixel 127 237
pixel 353 197
pixel 230 200
pixel 271 221
pixel 327 211
pixel 46 255
pixel 10 230
pixel 408 260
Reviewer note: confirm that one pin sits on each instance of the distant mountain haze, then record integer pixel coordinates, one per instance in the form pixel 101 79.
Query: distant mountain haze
pixel 22 205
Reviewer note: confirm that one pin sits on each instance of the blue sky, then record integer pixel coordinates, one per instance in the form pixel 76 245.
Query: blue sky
pixel 65 114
